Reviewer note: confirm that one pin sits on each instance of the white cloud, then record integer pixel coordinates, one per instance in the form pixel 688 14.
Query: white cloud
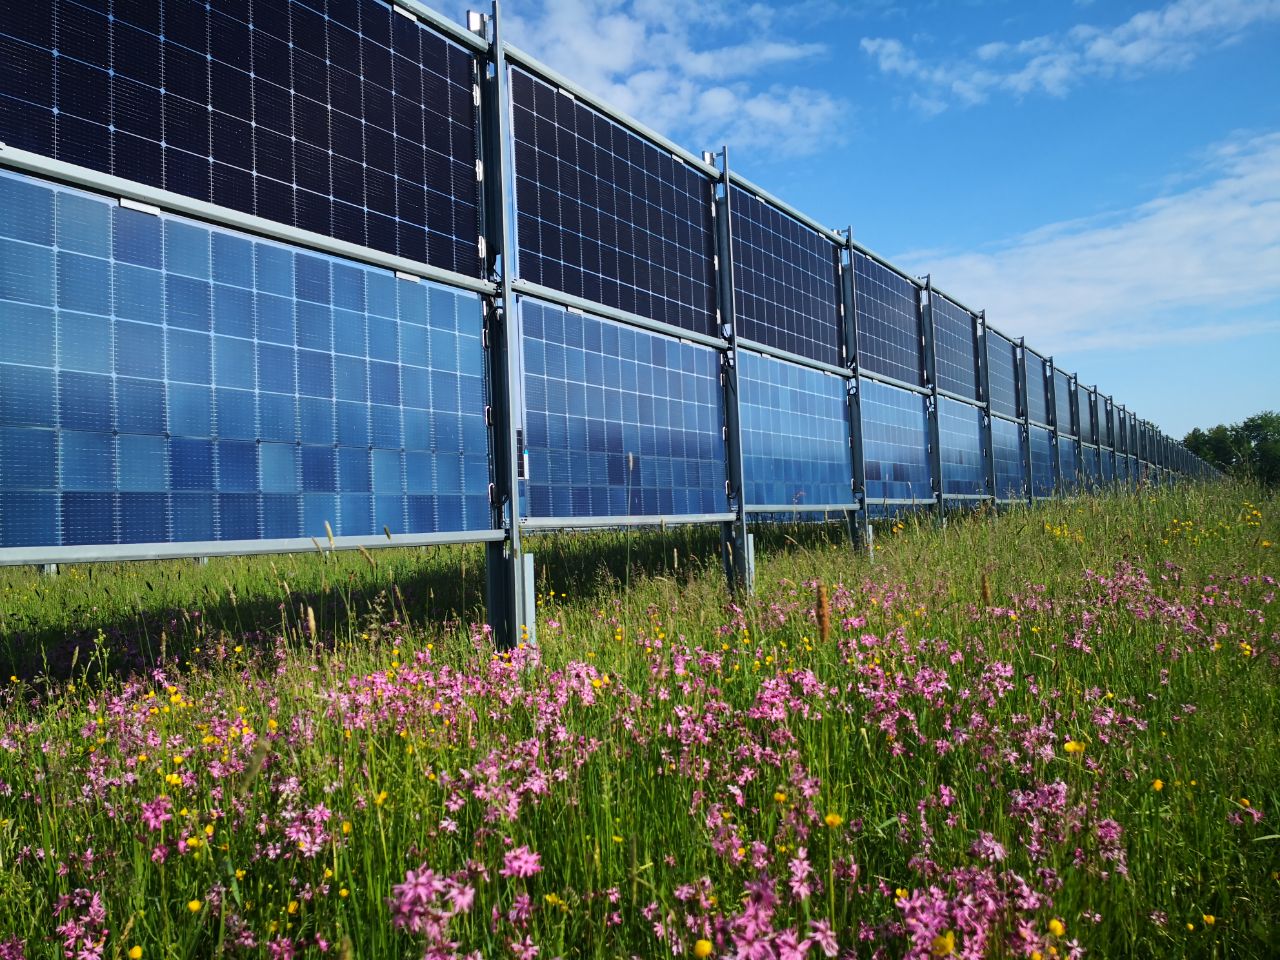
pixel 1179 268
pixel 1170 37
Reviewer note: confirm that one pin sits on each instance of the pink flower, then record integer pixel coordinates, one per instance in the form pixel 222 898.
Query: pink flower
pixel 521 862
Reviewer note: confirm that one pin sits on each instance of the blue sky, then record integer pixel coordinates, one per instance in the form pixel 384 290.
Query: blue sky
pixel 1102 177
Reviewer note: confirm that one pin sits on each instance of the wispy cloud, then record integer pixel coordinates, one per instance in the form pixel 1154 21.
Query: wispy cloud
pixel 1170 37
pixel 1198 265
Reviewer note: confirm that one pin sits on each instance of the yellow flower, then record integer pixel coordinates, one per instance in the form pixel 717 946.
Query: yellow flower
pixel 833 820
pixel 135 953
pixel 194 906
pixel 702 949
pixel 1057 927
pixel 239 874
pixel 343 893
pixel 293 906
pixel 944 945
pixel 1074 746
pixel 779 797
pixel 346 827
pixel 1209 919
pixel 380 798
pixel 1157 785
pixel 902 893
pixel 1191 926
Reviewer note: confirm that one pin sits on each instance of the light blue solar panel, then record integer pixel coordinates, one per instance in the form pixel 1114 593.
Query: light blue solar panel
pixel 1041 441
pixel 960 430
pixel 1065 404
pixel 1002 374
pixel 1037 389
pixel 1006 446
pixel 618 421
pixel 888 308
pixel 1070 462
pixel 955 348
pixel 226 424
pixel 895 438
pixel 795 434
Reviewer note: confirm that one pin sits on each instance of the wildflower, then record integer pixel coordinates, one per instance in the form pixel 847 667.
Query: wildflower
pixel 344 893
pixel 135 953
pixel 943 945
pixel 346 827
pixel 1074 746
pixel 380 798
pixel 779 797
pixel 1057 927
pixel 702 949
pixel 521 862
pixel 833 820
pixel 1209 919
pixel 1157 785
pixel 194 906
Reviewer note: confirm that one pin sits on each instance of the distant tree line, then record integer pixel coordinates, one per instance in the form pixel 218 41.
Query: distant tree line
pixel 1249 449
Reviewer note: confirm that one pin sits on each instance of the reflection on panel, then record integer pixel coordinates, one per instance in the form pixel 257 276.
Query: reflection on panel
pixel 895 438
pixel 619 422
pixel 1002 374
pixel 1037 389
pixel 358 125
pixel 785 281
pixel 1041 441
pixel 1064 403
pixel 606 215
pixel 1090 464
pixel 1108 468
pixel 888 322
pixel 1070 464
pixel 795 434
pixel 1006 446
pixel 960 430
pixel 166 381
pixel 955 345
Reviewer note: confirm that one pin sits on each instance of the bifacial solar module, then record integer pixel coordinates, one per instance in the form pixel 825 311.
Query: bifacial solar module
pixel 1070 462
pixel 1037 389
pixel 1002 374
pixel 1065 404
pixel 1041 441
pixel 163 381
pixel 358 125
pixel 786 281
pixel 1006 444
pixel 955 348
pixel 895 440
pixel 1091 464
pixel 1084 414
pixel 888 308
pixel 960 431
pixel 795 434
pixel 606 215
pixel 618 422
pixel 1108 468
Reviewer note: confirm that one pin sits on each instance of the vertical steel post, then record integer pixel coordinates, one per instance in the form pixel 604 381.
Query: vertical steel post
pixel 931 381
pixel 506 579
pixel 1051 400
pixel 859 522
pixel 982 351
pixel 734 543
pixel 1024 411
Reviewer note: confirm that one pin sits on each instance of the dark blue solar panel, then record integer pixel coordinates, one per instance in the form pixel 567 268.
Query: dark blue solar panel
pixel 955 348
pixel 1064 402
pixel 1037 389
pixel 1090 463
pixel 888 308
pixel 359 125
pixel 1108 438
pixel 1002 374
pixel 1070 464
pixel 1041 441
pixel 786 281
pixel 618 422
pixel 166 381
pixel 895 438
pixel 960 431
pixel 795 434
pixel 1108 468
pixel 1006 447
pixel 606 215
pixel 1084 413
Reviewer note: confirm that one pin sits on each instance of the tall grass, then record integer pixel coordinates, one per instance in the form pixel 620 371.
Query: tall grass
pixel 1048 732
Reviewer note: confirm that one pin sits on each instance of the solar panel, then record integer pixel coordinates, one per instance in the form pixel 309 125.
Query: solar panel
pixel 163 380
pixel 1092 463
pixel 1108 468
pixel 895 440
pixel 1006 447
pixel 955 348
pixel 1084 414
pixel 1002 373
pixel 1069 460
pixel 1041 441
pixel 795 433
pixel 604 214
pixel 786 281
pixel 358 125
pixel 1066 422
pixel 1037 389
pixel 618 422
pixel 960 432
pixel 888 308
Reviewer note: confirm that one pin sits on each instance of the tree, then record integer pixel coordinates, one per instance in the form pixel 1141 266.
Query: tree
pixel 1249 449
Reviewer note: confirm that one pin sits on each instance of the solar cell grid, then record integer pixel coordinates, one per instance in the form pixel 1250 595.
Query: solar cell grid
pixel 895 440
pixel 960 432
pixel 176 382
pixel 955 347
pixel 1084 410
pixel 888 308
pixel 1041 441
pixel 1070 462
pixel 1037 389
pixel 1002 373
pixel 607 216
pixel 795 434
pixel 618 422
pixel 358 125
pixel 1006 442
pixel 786 281
pixel 1065 404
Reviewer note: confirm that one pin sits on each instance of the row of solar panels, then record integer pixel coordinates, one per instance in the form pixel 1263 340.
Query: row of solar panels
pixel 252 352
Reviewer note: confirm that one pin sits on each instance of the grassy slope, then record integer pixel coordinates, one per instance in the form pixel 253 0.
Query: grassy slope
pixel 662 736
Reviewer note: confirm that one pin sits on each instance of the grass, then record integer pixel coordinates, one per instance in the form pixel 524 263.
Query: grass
pixel 1054 732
